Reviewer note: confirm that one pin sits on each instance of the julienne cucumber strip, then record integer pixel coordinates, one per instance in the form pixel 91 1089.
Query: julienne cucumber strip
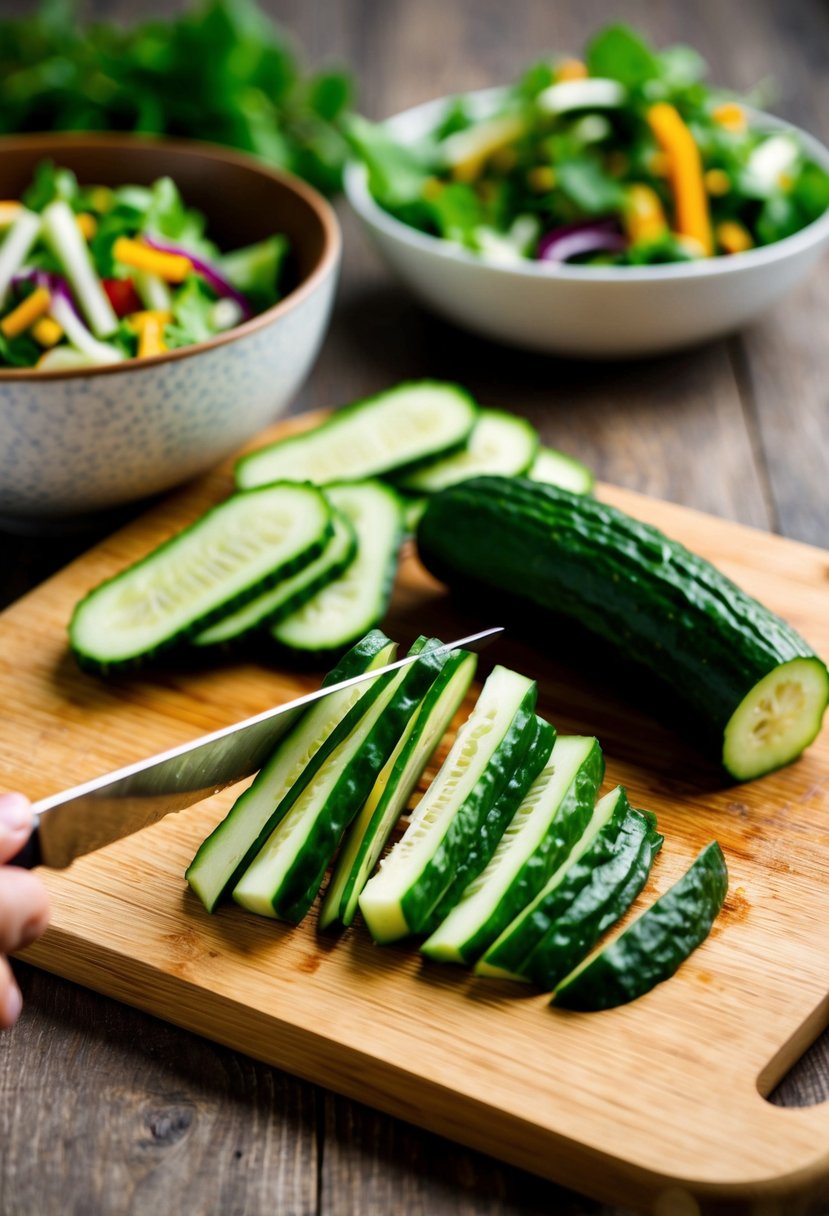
pixel 233 844
pixel 498 443
pixel 653 947
pixel 542 736
pixel 368 834
pixel 585 911
pixel 356 601
pixel 284 878
pixel 289 594
pixel 227 557
pixel 554 468
pixel 399 899
pixel 393 431
pixel 552 817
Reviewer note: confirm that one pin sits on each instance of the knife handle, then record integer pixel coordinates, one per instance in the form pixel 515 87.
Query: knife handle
pixel 29 856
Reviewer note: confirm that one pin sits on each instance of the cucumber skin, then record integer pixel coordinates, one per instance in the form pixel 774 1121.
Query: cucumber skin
pixel 653 947
pixel 422 898
pixel 354 407
pixel 303 880
pixel 653 600
pixel 535 757
pixel 89 663
pixel 569 823
pixel 587 909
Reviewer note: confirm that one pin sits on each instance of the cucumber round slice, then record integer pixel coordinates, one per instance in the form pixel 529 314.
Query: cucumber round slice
pixel 227 557
pixel 391 432
pixel 554 468
pixel 499 443
pixel 777 720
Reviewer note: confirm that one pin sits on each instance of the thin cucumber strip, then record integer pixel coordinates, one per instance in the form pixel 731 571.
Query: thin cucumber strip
pixel 228 556
pixel 400 897
pixel 491 831
pixel 390 794
pixel 554 468
pixel 585 910
pixel 61 230
pixel 285 876
pixel 499 443
pixel 654 946
pixel 392 431
pixel 15 248
pixel 154 292
pixel 551 818
pixel 353 603
pixel 520 937
pixel 82 339
pixel 232 845
pixel 291 593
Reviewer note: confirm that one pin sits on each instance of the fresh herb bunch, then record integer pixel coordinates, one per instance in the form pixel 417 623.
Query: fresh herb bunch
pixel 222 71
pixel 626 157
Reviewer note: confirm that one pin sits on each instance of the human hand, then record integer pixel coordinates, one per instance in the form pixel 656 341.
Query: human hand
pixel 24 904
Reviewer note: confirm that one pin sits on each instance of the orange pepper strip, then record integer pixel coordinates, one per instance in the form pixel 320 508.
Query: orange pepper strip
pixel 138 320
pixel 9 211
pixel 685 174
pixel 27 312
pixel 172 267
pixel 46 332
pixel 150 338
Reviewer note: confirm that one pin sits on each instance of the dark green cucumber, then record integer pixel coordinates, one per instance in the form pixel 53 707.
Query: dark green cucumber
pixel 283 879
pixel 368 834
pixel 392 432
pixel 289 594
pixel 399 899
pixel 550 820
pixel 233 844
pixel 542 736
pixel 653 947
pixel 498 443
pixel 756 687
pixel 582 911
pixel 227 557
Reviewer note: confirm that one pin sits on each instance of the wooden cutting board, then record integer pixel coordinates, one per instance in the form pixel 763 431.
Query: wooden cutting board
pixel 649 1104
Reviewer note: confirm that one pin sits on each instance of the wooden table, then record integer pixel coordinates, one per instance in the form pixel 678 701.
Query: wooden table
pixel 106 1110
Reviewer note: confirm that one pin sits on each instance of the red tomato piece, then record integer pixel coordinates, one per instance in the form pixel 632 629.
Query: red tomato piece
pixel 122 296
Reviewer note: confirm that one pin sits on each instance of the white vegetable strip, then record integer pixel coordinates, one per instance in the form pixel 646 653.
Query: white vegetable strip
pixel 79 335
pixel 154 292
pixel 71 249
pixel 15 248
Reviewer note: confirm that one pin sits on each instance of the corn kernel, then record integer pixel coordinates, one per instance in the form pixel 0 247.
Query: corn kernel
pixel 571 69
pixel 730 115
pixel 46 332
pixel 541 179
pixel 717 182
pixel 733 237
pixel 9 211
pixel 88 224
pixel 101 199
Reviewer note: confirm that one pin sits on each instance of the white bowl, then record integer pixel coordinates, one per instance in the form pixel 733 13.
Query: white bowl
pixel 604 312
pixel 78 442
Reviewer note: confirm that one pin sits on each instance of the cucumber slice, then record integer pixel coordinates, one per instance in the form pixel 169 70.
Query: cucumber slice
pixel 350 605
pixel 400 897
pixel 505 956
pixel 499 443
pixel 285 876
pixel 290 594
pixel 550 819
pixel 233 844
pixel 777 719
pixel 391 432
pixel 655 945
pixel 556 469
pixel 393 788
pixel 584 909
pixel 227 557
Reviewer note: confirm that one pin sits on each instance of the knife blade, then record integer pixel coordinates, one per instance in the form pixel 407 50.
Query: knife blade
pixel 86 817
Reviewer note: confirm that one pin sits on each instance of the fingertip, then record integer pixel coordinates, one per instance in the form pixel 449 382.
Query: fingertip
pixel 11 1000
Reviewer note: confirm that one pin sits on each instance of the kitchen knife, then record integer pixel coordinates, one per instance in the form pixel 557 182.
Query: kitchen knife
pixel 82 819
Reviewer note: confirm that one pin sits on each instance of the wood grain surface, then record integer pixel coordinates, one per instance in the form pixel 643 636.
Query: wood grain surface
pixel 103 1109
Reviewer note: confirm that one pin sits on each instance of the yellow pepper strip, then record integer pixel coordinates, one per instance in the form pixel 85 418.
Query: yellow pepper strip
pixel 88 224
pixel 685 174
pixel 9 211
pixel 147 316
pixel 571 69
pixel 46 332
pixel 467 152
pixel 644 216
pixel 27 312
pixel 733 237
pixel 151 339
pixel 172 267
pixel 541 179
pixel 717 182
pixel 730 115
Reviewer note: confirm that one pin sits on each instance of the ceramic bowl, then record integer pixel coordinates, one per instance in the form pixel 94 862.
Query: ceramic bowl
pixel 584 311
pixel 78 442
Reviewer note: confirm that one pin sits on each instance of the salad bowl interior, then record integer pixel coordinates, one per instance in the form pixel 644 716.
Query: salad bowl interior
pixel 583 311
pixel 78 440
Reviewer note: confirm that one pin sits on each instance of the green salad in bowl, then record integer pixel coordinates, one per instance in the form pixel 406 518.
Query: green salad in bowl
pixel 623 158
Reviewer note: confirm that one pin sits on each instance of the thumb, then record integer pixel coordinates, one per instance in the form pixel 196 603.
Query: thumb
pixel 15 824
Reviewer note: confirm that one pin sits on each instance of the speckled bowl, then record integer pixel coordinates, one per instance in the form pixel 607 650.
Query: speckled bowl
pixel 76 443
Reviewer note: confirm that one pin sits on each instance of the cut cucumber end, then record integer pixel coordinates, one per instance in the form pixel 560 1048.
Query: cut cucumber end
pixel 777 720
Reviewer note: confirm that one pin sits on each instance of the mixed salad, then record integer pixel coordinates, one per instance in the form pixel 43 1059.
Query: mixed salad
pixel 623 158
pixel 92 275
